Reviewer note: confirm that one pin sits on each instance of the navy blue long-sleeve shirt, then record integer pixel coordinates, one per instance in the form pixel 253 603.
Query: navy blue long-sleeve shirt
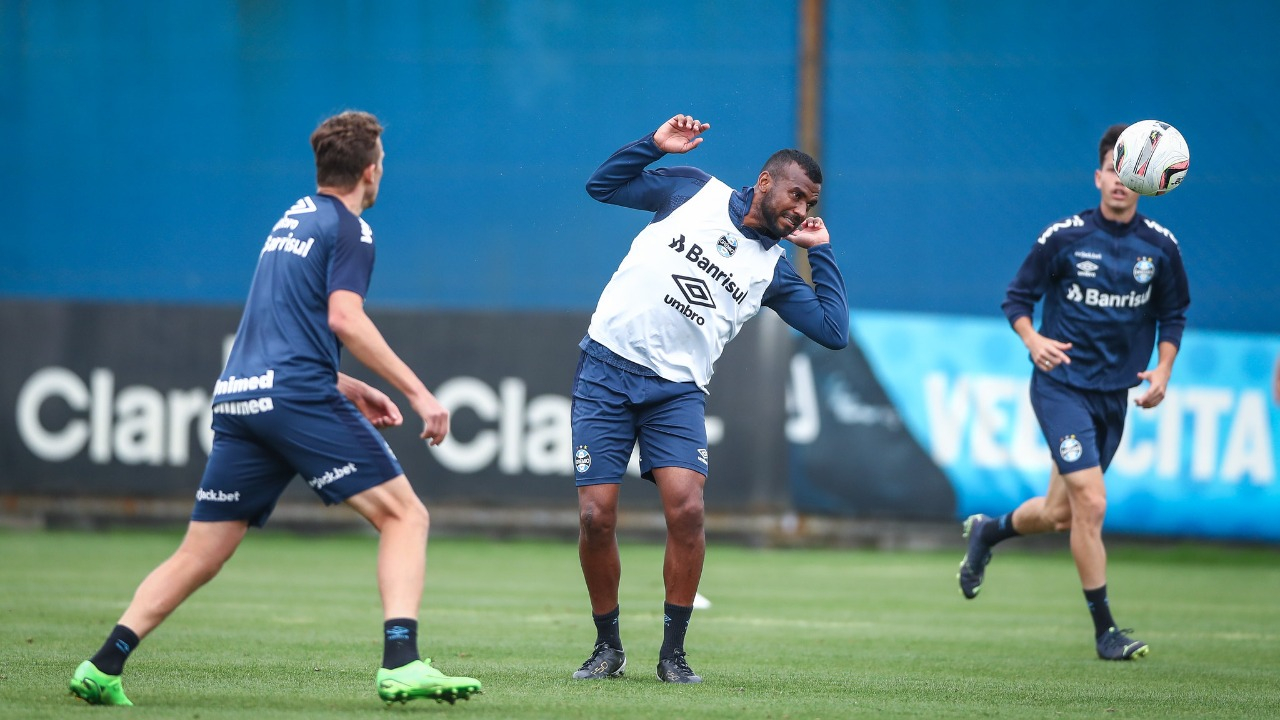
pixel 1108 288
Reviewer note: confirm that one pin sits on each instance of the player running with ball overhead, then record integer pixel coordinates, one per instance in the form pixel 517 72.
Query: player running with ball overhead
pixel 706 263
pixel 281 408
pixel 1113 286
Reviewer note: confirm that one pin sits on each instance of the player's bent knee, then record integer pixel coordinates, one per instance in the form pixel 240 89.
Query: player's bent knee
pixel 1092 513
pixel 597 509
pixel 392 504
pixel 1059 517
pixel 417 514
pixel 687 516
pixel 595 520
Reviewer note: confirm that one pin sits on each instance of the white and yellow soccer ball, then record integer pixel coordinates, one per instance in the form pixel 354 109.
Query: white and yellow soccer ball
pixel 1152 157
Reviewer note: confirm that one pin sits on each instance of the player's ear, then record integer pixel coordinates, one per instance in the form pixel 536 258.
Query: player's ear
pixel 764 181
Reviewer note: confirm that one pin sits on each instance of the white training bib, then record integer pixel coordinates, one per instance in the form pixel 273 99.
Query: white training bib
pixel 684 290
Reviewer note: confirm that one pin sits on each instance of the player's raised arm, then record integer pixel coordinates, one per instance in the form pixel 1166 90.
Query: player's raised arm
pixel 623 180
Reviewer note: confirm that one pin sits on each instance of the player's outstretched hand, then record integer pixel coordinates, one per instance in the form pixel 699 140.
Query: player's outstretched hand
pixel 378 408
pixel 810 233
pixel 680 134
pixel 435 419
pixel 1158 376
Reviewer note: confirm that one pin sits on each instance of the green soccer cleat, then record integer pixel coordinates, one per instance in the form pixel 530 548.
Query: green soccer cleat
pixel 96 687
pixel 419 680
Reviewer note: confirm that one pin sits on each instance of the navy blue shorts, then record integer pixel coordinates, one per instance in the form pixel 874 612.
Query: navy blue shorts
pixel 613 408
pixel 256 454
pixel 1082 427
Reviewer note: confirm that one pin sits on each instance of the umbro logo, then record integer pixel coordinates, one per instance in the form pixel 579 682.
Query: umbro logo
pixel 305 205
pixel 695 291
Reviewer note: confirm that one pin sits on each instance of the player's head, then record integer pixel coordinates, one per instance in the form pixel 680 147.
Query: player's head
pixel 1108 143
pixel 1118 203
pixel 348 149
pixel 786 190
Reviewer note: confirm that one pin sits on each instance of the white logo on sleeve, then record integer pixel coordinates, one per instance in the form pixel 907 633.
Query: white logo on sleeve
pixel 303 206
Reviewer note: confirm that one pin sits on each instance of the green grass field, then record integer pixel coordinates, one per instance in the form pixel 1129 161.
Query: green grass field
pixel 291 629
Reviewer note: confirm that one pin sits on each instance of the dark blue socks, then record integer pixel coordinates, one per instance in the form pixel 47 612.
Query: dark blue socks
pixel 400 646
pixel 675 622
pixel 1100 609
pixel 607 628
pixel 110 658
pixel 1001 529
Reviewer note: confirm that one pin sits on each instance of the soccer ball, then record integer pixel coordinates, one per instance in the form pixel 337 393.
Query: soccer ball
pixel 1151 157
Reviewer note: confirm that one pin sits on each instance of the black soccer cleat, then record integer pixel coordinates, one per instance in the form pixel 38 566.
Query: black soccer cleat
pixel 675 669
pixel 1116 645
pixel 974 564
pixel 605 662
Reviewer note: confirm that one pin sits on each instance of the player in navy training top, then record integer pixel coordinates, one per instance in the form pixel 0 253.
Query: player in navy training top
pixel 281 408
pixel 707 262
pixel 1114 288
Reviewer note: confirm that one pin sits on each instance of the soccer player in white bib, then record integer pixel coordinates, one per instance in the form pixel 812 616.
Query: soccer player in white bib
pixel 282 409
pixel 708 260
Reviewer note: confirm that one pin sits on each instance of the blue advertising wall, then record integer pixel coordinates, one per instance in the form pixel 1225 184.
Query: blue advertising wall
pixel 1202 463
